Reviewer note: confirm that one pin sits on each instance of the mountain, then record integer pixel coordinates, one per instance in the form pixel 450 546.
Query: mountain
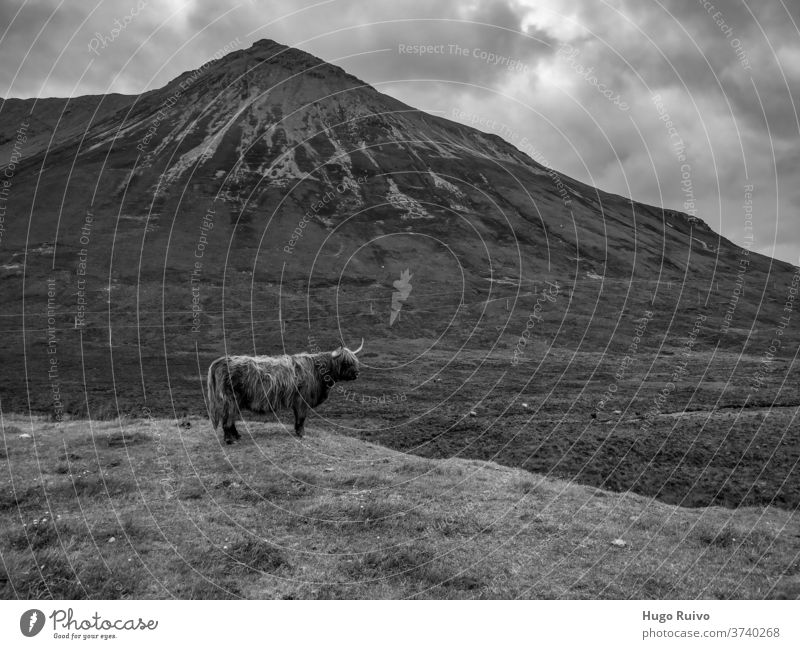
pixel 270 201
pixel 261 134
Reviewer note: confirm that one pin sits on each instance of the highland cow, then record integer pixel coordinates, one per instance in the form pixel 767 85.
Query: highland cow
pixel 266 384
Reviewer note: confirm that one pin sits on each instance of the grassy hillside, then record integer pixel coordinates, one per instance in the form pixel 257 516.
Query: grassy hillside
pixel 154 508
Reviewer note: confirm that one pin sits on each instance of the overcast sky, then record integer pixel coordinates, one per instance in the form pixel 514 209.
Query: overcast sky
pixel 571 82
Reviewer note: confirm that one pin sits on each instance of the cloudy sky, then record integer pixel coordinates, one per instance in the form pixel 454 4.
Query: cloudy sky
pixel 586 86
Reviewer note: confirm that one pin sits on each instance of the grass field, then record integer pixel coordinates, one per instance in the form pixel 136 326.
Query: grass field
pixel 155 509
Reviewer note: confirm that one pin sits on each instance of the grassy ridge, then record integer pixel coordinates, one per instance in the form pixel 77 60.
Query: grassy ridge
pixel 156 508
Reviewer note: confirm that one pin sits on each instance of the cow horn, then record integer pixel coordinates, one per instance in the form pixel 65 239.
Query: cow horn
pixel 360 348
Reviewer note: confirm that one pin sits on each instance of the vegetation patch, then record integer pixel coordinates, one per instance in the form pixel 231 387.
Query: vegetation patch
pixel 48 575
pixel 346 512
pixel 244 556
pixel 93 486
pixel 38 535
pixel 415 467
pixel 123 438
pixel 365 481
pixel 191 490
pixel 20 498
pixel 195 586
pixel 525 486
pixel 418 566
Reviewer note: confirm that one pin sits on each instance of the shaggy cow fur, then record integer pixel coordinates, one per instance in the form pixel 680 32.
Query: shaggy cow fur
pixel 266 384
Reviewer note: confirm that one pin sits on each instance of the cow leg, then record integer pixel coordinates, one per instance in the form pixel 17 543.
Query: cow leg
pixel 230 435
pixel 229 428
pixel 300 411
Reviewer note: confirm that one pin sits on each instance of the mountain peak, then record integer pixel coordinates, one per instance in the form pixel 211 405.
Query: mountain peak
pixel 266 43
pixel 271 61
pixel 266 47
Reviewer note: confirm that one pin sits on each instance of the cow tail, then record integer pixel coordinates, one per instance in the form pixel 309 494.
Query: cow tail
pixel 214 398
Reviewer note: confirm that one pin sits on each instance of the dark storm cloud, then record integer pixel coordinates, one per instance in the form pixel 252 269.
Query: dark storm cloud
pixel 35 35
pixel 477 45
pixel 723 81
pixel 83 49
pixel 720 50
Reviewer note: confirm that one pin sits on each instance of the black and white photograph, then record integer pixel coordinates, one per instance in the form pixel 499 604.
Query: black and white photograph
pixel 345 300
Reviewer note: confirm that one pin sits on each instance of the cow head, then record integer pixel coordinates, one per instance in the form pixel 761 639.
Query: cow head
pixel 344 363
